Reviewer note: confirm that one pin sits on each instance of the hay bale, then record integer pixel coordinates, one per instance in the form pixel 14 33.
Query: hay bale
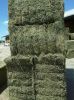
pixel 49 68
pixel 52 92
pixel 70 44
pixel 35 11
pixel 19 82
pixel 53 59
pixel 49 84
pixel 49 76
pixel 71 36
pixel 61 36
pixel 13 44
pixel 52 76
pixel 60 43
pixel 14 98
pixel 36 68
pixel 21 90
pixel 21 75
pixel 19 63
pixel 70 53
pixel 34 39
pixel 20 67
pixel 43 97
pixel 22 97
pixel 51 89
pixel 59 7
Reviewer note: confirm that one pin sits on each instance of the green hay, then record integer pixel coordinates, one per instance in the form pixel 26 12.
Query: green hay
pixel 52 76
pixel 70 53
pixel 37 63
pixel 21 90
pixel 25 97
pixel 51 92
pixel 54 59
pixel 21 75
pixel 72 36
pixel 19 63
pixel 35 11
pixel 60 43
pixel 49 68
pixel 43 97
pixel 18 82
pixel 34 39
pixel 46 76
pixel 70 44
pixel 49 84
pixel 13 44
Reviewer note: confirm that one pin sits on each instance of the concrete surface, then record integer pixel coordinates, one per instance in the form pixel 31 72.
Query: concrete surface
pixel 4 53
pixel 4 95
pixel 70 63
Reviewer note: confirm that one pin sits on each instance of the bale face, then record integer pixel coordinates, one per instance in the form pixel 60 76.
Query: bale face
pixel 35 39
pixel 32 40
pixel 49 77
pixel 70 53
pixel 70 48
pixel 43 76
pixel 41 97
pixel 35 11
pixel 37 65
pixel 72 36
pixel 20 78
pixel 70 44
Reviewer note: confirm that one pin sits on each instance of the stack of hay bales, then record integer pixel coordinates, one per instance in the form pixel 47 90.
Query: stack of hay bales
pixel 50 80
pixel 37 65
pixel 20 78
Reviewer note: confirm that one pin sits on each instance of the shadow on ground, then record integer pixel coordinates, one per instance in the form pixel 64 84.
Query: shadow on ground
pixel 2 88
pixel 70 84
pixel 3 79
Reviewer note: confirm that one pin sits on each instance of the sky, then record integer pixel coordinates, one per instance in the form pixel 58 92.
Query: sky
pixel 69 4
pixel 3 18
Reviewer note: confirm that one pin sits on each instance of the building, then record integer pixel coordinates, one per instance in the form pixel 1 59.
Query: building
pixel 6 39
pixel 69 20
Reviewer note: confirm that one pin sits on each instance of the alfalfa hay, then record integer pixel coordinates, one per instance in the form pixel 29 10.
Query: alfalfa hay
pixel 37 34
pixel 35 11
